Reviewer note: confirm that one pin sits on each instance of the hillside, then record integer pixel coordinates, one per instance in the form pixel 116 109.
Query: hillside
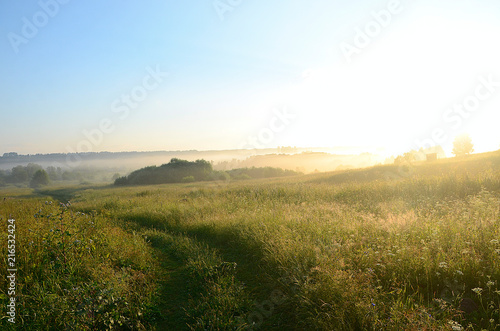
pixel 412 247
pixel 183 171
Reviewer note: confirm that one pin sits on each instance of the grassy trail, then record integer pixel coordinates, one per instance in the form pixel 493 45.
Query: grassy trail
pixel 247 260
pixel 173 293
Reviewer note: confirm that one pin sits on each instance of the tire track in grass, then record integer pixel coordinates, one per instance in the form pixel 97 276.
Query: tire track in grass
pixel 168 313
pixel 173 292
pixel 260 278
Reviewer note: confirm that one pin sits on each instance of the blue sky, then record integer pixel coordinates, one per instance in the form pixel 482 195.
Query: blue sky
pixel 228 78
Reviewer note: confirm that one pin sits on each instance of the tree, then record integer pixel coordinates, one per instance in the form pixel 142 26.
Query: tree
pixel 19 174
pixel 121 181
pixel 463 145
pixel 408 157
pixel 52 172
pixel 40 178
pixel 3 176
pixel 31 168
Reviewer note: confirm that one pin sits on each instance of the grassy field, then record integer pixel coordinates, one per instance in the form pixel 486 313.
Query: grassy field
pixel 413 247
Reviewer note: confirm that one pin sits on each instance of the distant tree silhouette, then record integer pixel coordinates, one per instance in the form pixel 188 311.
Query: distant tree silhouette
pixel 173 172
pixel 53 173
pixel 178 171
pixel 19 174
pixel 408 157
pixel 120 181
pixel 31 168
pixel 463 145
pixel 40 178
pixel 3 176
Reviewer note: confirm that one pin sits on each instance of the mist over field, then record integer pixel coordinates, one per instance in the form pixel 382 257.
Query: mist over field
pixel 302 159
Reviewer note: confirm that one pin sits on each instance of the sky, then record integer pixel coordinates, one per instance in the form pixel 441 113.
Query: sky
pixel 123 75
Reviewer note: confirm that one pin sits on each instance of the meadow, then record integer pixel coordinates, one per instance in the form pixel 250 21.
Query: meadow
pixel 409 247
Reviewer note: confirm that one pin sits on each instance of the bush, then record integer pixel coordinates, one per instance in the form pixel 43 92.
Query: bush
pixel 219 175
pixel 188 179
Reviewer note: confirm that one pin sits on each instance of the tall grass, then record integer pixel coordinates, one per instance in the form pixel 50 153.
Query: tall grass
pixel 339 251
pixel 75 270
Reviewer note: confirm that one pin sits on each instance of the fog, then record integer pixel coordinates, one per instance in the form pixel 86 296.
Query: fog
pixel 105 167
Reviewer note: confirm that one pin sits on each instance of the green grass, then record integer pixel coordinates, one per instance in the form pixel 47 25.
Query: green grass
pixel 384 248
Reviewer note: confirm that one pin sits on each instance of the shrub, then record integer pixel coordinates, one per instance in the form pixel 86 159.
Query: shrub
pixel 188 179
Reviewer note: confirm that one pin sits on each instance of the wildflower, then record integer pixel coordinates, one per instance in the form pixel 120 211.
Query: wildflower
pixel 494 242
pixel 477 290
pixel 490 283
pixel 459 272
pixel 455 326
pixel 443 265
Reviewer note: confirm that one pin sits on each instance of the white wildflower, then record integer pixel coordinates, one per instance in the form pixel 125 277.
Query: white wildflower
pixel 477 290
pixel 455 326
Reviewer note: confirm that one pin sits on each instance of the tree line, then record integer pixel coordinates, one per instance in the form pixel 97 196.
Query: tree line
pixel 182 171
pixel 35 175
pixel 462 146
